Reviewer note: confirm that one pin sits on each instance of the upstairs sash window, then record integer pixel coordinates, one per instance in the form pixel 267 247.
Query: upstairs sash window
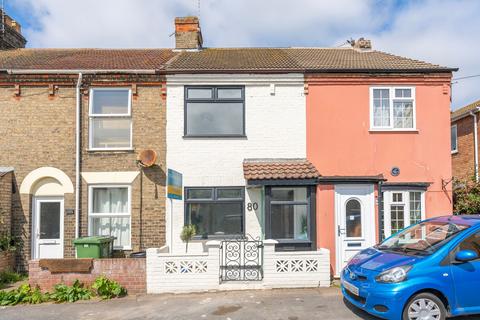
pixel 110 119
pixel 392 108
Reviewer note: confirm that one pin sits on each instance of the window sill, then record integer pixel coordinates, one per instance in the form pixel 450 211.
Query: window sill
pixel 454 152
pixel 213 137
pixel 126 248
pixel 393 130
pixel 219 237
pixel 125 150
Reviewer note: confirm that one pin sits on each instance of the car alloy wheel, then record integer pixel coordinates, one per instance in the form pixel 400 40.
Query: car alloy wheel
pixel 423 309
pixel 424 306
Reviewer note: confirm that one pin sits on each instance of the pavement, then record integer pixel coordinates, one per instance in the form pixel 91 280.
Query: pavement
pixel 284 304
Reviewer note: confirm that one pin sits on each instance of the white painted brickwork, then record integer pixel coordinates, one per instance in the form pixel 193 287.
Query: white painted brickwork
pixel 176 273
pixel 275 127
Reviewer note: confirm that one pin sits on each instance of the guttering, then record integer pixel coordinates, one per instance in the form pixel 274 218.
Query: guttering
pixel 77 156
pixel 475 140
pixel 78 71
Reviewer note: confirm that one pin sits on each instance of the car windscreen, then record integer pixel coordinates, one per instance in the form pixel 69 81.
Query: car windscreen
pixel 423 238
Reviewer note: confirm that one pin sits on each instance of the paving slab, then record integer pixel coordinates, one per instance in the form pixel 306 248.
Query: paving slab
pixel 285 304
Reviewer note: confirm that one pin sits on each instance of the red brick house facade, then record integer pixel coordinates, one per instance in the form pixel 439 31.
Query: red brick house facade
pixel 464 141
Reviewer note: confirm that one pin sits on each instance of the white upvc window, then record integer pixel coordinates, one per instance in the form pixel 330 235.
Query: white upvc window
pixel 110 119
pixel 392 108
pixel 402 209
pixel 454 139
pixel 109 213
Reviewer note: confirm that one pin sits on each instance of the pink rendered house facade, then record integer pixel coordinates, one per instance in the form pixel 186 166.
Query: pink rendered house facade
pixel 381 143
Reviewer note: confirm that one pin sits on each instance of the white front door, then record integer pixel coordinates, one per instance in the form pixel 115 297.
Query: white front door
pixel 355 221
pixel 47 235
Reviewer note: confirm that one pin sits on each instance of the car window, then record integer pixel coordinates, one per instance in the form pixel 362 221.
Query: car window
pixel 471 243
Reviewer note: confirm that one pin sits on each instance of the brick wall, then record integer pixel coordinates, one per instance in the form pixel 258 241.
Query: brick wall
pixel 38 130
pixel 463 161
pixel 5 203
pixel 7 261
pixel 148 117
pixel 130 273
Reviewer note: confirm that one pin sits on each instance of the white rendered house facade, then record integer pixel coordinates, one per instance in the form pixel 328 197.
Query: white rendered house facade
pixel 266 119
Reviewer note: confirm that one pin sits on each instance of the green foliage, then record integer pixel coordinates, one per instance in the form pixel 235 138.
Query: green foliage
pixel 108 289
pixel 466 197
pixel 188 232
pixel 8 277
pixel 24 294
pixel 103 287
pixel 8 243
pixel 75 292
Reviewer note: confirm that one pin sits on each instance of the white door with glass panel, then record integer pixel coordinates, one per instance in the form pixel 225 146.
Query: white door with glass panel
pixel 402 209
pixel 355 221
pixel 47 228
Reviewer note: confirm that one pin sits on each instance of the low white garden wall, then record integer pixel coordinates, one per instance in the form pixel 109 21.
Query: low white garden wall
pixel 177 273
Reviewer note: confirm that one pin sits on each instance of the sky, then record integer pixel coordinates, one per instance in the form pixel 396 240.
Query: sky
pixel 445 32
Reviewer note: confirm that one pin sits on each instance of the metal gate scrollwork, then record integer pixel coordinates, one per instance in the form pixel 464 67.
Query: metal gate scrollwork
pixel 241 259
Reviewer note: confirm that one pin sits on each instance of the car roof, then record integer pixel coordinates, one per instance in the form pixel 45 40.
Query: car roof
pixel 471 220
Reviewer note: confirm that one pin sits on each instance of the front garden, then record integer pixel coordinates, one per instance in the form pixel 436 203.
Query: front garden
pixel 102 288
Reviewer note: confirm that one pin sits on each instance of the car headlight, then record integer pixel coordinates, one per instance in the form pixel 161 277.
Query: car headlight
pixel 394 275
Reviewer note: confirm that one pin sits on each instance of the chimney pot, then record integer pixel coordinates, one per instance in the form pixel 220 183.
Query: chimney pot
pixel 188 34
pixel 362 44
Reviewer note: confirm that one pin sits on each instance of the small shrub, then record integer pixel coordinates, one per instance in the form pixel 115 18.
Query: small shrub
pixel 75 292
pixel 8 277
pixel 108 289
pixel 188 232
pixel 24 294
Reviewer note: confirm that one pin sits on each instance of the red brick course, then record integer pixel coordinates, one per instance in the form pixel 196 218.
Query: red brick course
pixel 130 273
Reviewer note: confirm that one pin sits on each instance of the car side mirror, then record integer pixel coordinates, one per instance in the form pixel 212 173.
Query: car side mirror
pixel 466 255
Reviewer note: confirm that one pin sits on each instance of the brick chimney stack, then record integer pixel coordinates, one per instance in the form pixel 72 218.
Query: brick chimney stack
pixel 187 33
pixel 10 33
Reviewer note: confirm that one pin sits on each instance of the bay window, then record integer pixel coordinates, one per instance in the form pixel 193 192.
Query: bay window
pixel 392 108
pixel 109 213
pixel 290 217
pixel 215 211
pixel 402 209
pixel 110 119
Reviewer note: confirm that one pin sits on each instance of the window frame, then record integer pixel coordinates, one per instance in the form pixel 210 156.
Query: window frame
pixel 215 199
pixel 92 116
pixel 214 99
pixel 388 202
pixel 293 244
pixel 456 138
pixel 128 214
pixel 456 248
pixel 392 99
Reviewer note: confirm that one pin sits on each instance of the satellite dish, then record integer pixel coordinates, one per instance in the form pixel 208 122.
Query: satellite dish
pixel 147 158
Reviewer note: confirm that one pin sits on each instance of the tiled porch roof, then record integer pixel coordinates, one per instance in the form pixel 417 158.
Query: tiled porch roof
pixel 273 168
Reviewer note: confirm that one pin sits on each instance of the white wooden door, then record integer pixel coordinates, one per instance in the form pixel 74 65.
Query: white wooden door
pixel 47 235
pixel 355 221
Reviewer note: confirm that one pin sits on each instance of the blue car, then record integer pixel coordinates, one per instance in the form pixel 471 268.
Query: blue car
pixel 430 270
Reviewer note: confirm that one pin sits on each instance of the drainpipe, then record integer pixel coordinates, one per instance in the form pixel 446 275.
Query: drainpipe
pixel 77 157
pixel 475 141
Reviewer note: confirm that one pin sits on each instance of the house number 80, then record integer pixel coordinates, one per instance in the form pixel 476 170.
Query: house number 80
pixel 252 206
